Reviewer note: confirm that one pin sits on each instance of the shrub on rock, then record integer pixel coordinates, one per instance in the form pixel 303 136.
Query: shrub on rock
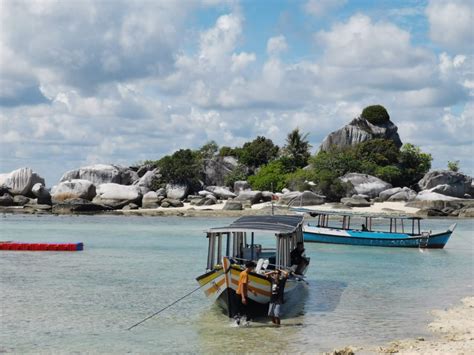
pixel 375 114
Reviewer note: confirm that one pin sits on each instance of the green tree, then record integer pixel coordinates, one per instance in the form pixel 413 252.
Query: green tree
pixel 271 175
pixel 414 164
pixel 379 151
pixel 258 152
pixel 228 151
pixel 183 166
pixel 453 166
pixel 337 160
pixel 208 150
pixel 297 149
pixel 376 114
pixel 389 173
pixel 238 174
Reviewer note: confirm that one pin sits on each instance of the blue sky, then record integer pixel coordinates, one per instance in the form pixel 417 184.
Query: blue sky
pixel 84 82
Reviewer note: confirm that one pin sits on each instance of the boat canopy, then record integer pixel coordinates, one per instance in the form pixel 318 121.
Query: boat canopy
pixel 238 240
pixel 272 224
pixel 315 213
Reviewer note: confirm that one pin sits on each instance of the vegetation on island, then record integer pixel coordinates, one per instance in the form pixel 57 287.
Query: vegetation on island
pixel 453 166
pixel 376 114
pixel 268 167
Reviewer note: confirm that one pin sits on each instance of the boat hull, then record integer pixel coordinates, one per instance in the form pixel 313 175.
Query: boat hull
pixel 220 286
pixel 379 239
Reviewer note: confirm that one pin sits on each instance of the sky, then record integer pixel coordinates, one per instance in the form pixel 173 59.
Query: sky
pixel 86 82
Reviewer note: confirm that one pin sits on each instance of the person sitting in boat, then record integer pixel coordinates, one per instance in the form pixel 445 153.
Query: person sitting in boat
pixel 298 258
pixel 364 228
pixel 242 292
pixel 278 279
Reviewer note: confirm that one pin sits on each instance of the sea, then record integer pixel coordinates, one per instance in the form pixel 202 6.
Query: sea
pixel 132 267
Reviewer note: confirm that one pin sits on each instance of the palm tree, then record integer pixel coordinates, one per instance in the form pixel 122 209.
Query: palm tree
pixel 297 149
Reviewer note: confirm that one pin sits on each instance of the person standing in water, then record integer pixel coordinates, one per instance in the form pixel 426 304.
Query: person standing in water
pixel 278 279
pixel 242 292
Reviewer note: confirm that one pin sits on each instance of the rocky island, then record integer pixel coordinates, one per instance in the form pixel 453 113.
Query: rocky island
pixel 361 165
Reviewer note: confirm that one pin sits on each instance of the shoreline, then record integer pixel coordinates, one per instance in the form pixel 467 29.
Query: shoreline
pixel 188 210
pixel 452 332
pixel 382 208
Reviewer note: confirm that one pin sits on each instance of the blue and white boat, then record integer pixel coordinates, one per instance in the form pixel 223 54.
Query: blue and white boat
pixel 397 231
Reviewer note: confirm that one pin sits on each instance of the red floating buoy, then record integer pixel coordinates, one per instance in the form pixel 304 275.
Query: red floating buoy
pixel 41 246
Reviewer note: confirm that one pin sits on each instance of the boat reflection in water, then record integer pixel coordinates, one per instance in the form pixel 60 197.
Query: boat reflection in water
pixel 230 247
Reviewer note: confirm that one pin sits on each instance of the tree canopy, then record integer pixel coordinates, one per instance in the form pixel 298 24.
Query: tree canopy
pixel 258 152
pixel 296 149
pixel 376 114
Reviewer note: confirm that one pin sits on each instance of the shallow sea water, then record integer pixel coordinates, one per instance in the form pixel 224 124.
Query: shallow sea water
pixel 63 302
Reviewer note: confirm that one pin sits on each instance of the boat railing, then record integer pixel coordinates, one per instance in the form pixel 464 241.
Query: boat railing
pixel 272 266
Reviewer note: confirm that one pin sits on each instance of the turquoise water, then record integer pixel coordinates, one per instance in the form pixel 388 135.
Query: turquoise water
pixel 133 266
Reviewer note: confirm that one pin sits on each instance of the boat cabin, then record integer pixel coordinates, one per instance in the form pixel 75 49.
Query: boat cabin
pixel 247 239
pixel 396 224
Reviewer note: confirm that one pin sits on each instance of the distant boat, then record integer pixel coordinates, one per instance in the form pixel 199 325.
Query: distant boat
pixel 402 231
pixel 229 248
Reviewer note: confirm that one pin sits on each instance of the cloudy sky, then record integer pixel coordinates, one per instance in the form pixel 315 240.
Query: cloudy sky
pixel 85 82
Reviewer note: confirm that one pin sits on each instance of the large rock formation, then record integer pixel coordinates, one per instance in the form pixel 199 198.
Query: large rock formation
pixel 117 196
pixel 147 181
pixel 41 193
pixel 78 205
pixel 73 189
pixel 360 130
pixel 355 201
pixel 176 191
pixel 151 200
pixel 6 200
pixel 447 183
pixel 232 205
pixel 102 174
pixel 217 168
pixel 305 198
pixel 249 196
pixel 221 192
pixel 397 194
pixel 241 186
pixel 20 181
pixel 366 184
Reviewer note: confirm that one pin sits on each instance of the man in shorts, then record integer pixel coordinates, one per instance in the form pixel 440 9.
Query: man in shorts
pixel 278 279
pixel 242 292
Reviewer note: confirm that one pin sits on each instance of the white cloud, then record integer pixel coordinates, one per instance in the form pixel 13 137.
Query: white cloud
pixel 242 60
pixel 319 8
pixel 364 44
pixel 276 45
pixel 218 43
pixel 451 24
pixel 85 44
pixel 110 98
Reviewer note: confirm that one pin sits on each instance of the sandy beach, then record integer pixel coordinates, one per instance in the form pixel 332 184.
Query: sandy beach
pixel 452 330
pixel 216 210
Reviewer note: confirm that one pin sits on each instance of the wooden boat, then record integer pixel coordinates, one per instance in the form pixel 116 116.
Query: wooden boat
pixel 401 231
pixel 264 240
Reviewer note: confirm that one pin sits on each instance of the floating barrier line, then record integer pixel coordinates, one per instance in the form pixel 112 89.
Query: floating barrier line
pixel 22 246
